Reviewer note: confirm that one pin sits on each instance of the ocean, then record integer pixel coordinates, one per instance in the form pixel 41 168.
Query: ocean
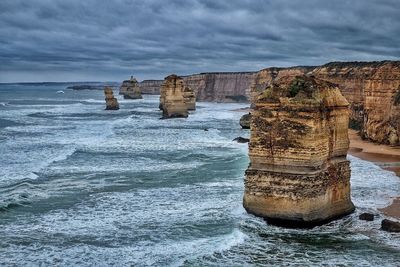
pixel 82 186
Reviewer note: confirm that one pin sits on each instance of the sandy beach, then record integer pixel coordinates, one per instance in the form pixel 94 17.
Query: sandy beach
pixel 384 156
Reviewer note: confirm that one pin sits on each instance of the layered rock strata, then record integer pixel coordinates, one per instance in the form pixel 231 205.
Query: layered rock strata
pixel 111 101
pixel 373 90
pixel 298 172
pixel 213 87
pixel 172 99
pixel 130 89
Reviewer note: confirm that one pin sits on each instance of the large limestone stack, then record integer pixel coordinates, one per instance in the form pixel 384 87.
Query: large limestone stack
pixel 130 89
pixel 298 171
pixel 111 101
pixel 172 101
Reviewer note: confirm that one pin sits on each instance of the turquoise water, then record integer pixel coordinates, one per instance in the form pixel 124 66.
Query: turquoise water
pixel 83 186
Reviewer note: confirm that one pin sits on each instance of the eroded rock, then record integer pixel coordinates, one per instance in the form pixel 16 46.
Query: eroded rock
pixel 241 139
pixel 366 216
pixel 130 89
pixel 172 100
pixel 111 101
pixel 245 121
pixel 390 226
pixel 298 173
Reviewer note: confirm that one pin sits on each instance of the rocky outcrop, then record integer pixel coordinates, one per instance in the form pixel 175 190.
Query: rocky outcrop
pixel 172 101
pixel 298 172
pixel 111 101
pixel 371 88
pixel 245 121
pixel 130 89
pixel 390 226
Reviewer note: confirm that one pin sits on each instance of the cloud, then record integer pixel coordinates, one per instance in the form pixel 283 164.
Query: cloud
pixel 110 40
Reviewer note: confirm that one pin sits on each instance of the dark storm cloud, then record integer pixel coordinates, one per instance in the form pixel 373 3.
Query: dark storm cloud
pixel 109 40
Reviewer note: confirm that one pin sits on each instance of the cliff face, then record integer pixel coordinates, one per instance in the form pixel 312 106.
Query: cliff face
pixel 151 87
pixel 371 88
pixel 213 87
pixel 221 87
pixel 172 100
pixel 298 171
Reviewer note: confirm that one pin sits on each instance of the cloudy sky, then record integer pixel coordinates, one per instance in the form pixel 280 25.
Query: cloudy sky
pixel 108 40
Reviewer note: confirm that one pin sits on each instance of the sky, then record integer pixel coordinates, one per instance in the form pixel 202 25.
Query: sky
pixel 109 40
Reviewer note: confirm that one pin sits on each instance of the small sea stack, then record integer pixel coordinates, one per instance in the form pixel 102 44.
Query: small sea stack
pixel 111 101
pixel 130 89
pixel 298 174
pixel 190 98
pixel 172 100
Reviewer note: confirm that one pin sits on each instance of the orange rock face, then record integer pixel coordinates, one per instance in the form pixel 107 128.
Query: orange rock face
pixel 371 88
pixel 111 101
pixel 298 169
pixel 172 98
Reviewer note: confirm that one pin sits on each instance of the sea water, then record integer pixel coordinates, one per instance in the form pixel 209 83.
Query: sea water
pixel 83 186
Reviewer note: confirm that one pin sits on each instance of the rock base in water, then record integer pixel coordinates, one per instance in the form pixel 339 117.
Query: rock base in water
pixel 390 226
pixel 366 217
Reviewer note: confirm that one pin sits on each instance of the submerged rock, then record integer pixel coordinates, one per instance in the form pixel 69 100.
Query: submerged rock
pixel 298 174
pixel 241 139
pixel 111 101
pixel 366 216
pixel 172 101
pixel 130 89
pixel 245 121
pixel 390 226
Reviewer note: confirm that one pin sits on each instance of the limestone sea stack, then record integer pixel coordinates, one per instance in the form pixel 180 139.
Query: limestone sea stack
pixel 130 89
pixel 111 101
pixel 190 98
pixel 298 173
pixel 172 100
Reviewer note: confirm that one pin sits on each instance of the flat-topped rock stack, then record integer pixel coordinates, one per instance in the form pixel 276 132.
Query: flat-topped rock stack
pixel 111 101
pixel 130 89
pixel 298 173
pixel 172 98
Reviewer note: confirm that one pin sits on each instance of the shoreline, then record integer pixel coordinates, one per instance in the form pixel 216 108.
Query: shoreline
pixel 386 157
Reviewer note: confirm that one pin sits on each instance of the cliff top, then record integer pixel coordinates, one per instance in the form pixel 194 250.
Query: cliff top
pixel 375 64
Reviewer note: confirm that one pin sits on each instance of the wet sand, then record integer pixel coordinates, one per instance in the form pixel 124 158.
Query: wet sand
pixel 386 157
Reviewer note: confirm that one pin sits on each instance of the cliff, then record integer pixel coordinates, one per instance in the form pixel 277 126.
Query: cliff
pixel 172 101
pixel 213 87
pixel 372 89
pixel 151 87
pixel 298 170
